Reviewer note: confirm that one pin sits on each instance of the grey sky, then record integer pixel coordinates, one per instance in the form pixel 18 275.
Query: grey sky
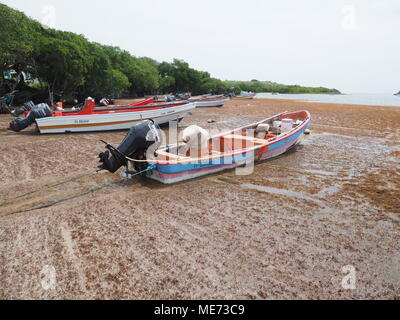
pixel 350 45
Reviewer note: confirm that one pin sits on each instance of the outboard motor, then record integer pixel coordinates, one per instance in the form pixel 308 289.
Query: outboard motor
pixel 39 111
pixel 104 102
pixel 182 96
pixel 29 105
pixel 26 108
pixel 135 146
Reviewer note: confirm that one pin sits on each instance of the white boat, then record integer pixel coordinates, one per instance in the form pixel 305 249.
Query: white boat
pixel 245 96
pixel 107 119
pixel 218 102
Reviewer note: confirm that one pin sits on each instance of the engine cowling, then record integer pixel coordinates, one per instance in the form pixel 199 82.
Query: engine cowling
pixel 37 112
pixel 135 145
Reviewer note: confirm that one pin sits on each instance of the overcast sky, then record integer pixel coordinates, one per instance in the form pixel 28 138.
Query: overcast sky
pixel 350 45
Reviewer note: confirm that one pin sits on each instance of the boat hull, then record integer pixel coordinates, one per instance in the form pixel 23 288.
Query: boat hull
pixel 212 103
pixel 247 96
pixel 111 121
pixel 169 174
pixel 244 98
pixel 170 178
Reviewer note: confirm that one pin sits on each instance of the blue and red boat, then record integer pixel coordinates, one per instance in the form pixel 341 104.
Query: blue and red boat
pixel 259 141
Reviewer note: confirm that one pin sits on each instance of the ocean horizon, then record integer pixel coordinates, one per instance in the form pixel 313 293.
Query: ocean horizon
pixel 374 99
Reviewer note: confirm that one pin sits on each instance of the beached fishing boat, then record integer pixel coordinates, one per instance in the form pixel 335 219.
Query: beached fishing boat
pixel 245 96
pixel 92 118
pixel 107 119
pixel 209 101
pixel 91 108
pixel 263 140
pixel 6 102
pixel 203 101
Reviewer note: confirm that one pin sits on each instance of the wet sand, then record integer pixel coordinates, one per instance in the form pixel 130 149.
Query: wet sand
pixel 284 232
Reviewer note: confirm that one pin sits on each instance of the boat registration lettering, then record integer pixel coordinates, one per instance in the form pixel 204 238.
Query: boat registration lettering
pixel 81 121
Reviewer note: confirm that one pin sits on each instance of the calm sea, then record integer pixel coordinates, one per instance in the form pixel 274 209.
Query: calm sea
pixel 381 99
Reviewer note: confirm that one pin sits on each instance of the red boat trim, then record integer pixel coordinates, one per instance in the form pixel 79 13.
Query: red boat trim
pixel 290 133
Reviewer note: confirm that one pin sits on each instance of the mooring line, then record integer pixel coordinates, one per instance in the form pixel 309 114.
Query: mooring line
pixel 54 203
pixel 48 187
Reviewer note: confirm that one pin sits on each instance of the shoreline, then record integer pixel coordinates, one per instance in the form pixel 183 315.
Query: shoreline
pixel 328 102
pixel 321 207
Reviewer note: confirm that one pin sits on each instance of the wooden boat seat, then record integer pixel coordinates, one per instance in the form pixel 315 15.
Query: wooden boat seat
pixel 168 155
pixel 246 138
pixel 223 147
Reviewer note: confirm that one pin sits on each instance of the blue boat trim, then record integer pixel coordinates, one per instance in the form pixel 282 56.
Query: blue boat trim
pixel 175 168
pixel 238 159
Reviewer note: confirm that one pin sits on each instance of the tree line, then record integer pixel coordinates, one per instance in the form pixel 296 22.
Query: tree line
pixel 64 62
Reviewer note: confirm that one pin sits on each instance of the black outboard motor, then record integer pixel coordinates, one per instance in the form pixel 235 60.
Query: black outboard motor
pixel 29 105
pixel 182 96
pixel 104 102
pixel 20 111
pixel 135 146
pixel 39 111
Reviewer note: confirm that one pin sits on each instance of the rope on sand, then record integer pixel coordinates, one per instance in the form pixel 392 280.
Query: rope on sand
pixel 47 187
pixel 54 203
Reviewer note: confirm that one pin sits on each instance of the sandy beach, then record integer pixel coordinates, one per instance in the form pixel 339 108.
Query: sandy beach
pixel 284 232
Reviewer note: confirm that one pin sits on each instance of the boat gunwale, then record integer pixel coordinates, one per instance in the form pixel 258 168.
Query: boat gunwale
pixel 103 115
pixel 44 125
pixel 268 142
pixel 106 111
pixel 210 100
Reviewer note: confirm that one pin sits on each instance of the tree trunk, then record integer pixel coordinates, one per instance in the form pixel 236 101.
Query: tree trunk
pixel 51 91
pixel 50 95
pixel 17 81
pixel 1 83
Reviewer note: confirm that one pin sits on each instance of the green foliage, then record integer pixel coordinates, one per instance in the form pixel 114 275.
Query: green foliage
pixel 62 63
pixel 102 79
pixel 17 37
pixel 67 62
pixel 215 86
pixel 267 86
pixel 179 77
pixel 185 78
pixel 142 73
pixel 116 82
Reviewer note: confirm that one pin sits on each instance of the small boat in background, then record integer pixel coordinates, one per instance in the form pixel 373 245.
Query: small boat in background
pixel 245 96
pixel 92 118
pixel 6 102
pixel 209 101
pixel 107 119
pixel 263 140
